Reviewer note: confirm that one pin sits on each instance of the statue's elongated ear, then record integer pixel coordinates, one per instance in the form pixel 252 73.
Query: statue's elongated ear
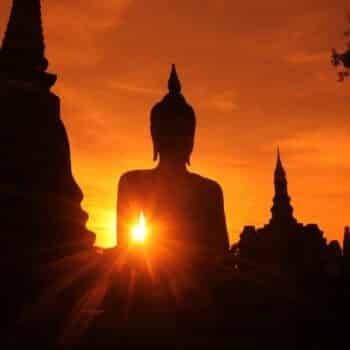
pixel 155 153
pixel 191 141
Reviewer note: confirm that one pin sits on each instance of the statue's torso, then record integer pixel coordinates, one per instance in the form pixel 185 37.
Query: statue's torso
pixel 184 212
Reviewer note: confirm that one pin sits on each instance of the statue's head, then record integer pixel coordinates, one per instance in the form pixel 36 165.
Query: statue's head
pixel 173 125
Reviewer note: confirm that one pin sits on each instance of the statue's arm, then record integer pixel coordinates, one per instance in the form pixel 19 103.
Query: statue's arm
pixel 221 217
pixel 122 205
pixel 218 227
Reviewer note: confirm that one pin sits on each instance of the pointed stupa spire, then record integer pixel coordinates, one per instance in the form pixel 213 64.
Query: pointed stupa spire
pixel 279 171
pixel 24 30
pixel 280 178
pixel 174 84
pixel 281 210
pixel 278 155
pixel 23 48
pixel 23 43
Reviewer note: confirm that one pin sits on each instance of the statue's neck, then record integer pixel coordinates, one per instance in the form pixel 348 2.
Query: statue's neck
pixel 171 167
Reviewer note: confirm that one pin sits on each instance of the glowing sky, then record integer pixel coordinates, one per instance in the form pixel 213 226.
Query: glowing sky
pixel 257 73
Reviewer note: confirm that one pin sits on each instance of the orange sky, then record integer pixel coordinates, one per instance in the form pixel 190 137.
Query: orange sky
pixel 257 73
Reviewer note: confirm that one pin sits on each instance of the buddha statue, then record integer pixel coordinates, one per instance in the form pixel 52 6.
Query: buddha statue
pixel 184 211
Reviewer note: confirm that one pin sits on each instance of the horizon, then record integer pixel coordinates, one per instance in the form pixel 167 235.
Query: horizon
pixel 109 79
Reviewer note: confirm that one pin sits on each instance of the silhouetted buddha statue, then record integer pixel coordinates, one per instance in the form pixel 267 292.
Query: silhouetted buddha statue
pixel 184 211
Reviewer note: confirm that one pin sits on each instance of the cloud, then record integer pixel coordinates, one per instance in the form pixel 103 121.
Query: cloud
pixel 327 148
pixel 225 102
pixel 75 29
pixel 308 58
pixel 137 88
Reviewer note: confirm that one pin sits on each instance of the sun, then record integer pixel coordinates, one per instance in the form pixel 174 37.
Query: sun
pixel 139 231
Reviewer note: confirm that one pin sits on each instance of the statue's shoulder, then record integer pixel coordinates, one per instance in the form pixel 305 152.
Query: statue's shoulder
pixel 134 177
pixel 207 184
